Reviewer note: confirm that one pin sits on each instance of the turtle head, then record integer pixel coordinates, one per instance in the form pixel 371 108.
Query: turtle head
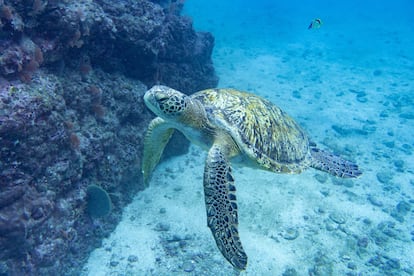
pixel 166 102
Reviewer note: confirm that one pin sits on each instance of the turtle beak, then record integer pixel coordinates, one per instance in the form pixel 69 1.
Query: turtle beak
pixel 156 99
pixel 150 99
pixel 155 96
pixel 165 102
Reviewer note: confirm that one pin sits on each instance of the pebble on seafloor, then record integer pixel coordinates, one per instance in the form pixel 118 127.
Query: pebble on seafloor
pixel 322 178
pixel 337 218
pixel 188 266
pixel 384 177
pixel 343 182
pixel 162 226
pixel 375 201
pixel 290 233
pixel 132 258
pixel 114 263
pixel 401 210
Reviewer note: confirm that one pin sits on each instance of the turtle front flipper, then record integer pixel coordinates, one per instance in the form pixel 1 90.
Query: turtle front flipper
pixel 158 134
pixel 333 164
pixel 221 206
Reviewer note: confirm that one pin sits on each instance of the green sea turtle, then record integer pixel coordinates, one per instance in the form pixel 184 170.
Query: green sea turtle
pixel 232 126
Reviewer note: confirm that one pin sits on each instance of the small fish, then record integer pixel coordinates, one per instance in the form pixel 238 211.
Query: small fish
pixel 315 24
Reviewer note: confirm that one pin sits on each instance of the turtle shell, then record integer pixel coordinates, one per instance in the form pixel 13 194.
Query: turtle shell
pixel 265 133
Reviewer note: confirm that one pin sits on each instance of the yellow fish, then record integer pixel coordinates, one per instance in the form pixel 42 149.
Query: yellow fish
pixel 315 24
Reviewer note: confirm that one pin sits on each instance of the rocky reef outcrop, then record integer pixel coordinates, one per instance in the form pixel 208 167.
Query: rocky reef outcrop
pixel 72 77
pixel 146 40
pixel 59 136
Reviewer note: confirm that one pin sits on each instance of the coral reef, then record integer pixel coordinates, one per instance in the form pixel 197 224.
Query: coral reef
pixel 158 46
pixel 54 146
pixel 146 40
pixel 72 77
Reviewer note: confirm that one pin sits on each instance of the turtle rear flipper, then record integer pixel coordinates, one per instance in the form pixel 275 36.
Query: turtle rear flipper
pixel 221 206
pixel 333 164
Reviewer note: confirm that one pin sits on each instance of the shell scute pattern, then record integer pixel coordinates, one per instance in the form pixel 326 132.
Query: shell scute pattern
pixel 262 130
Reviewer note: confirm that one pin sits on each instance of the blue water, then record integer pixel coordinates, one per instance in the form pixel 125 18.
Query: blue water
pixel 368 33
pixel 350 84
pixel 376 27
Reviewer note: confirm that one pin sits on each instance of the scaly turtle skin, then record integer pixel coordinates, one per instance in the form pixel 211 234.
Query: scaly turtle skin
pixel 232 126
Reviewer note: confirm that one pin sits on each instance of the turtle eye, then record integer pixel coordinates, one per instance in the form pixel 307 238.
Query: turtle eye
pixel 161 97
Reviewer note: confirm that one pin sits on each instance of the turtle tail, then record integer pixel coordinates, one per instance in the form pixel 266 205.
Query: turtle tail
pixel 333 164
